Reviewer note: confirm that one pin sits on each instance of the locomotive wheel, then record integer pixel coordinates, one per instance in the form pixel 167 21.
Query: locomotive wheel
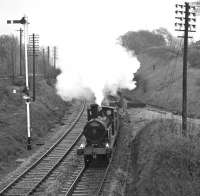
pixel 87 160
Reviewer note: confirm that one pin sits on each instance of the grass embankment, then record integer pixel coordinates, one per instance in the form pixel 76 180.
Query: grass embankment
pixel 159 79
pixel 163 162
pixel 159 82
pixel 47 110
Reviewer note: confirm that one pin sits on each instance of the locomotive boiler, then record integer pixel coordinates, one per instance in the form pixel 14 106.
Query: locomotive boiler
pixel 100 133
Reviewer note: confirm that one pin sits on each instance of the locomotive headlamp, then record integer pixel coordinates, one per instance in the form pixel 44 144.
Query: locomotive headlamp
pixel 108 150
pixel 82 146
pixel 80 150
pixel 14 91
pixel 107 145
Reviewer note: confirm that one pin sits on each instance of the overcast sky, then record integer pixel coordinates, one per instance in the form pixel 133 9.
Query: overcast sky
pixel 86 31
pixel 49 18
pixel 71 23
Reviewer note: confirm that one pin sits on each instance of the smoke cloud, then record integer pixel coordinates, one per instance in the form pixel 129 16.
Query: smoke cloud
pixel 91 57
pixel 108 67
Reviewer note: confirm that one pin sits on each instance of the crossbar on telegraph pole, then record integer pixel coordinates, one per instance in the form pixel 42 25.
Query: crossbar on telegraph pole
pixel 24 21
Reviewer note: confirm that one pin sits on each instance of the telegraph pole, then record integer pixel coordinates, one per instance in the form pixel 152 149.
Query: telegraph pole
pixel 48 62
pixel 184 101
pixel 33 50
pixel 44 62
pixel 54 56
pixel 186 11
pixel 12 61
pixel 20 51
pixel 48 56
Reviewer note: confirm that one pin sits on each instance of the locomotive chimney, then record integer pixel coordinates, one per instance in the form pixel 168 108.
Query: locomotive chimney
pixel 94 110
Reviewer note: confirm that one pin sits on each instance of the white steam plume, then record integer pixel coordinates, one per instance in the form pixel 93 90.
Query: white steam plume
pixel 91 59
pixel 110 68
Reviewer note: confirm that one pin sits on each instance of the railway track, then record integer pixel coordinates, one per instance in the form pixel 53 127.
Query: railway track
pixel 41 171
pixel 87 182
pixel 90 181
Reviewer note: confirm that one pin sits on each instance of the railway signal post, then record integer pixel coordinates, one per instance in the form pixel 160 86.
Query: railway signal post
pixel 24 22
pixel 186 15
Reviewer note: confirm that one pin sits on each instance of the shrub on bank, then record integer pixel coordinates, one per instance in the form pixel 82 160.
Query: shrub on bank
pixel 46 111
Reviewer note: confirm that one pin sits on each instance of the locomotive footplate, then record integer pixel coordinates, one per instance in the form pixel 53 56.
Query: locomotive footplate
pixel 94 151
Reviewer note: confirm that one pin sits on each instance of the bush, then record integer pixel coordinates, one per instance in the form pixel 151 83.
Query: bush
pixel 163 52
pixel 140 82
pixel 141 40
pixel 194 57
pixel 163 162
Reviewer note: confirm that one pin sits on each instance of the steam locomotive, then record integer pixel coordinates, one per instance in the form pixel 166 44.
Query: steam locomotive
pixel 100 133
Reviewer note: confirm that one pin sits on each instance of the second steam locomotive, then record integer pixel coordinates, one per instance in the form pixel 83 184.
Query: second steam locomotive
pixel 100 133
